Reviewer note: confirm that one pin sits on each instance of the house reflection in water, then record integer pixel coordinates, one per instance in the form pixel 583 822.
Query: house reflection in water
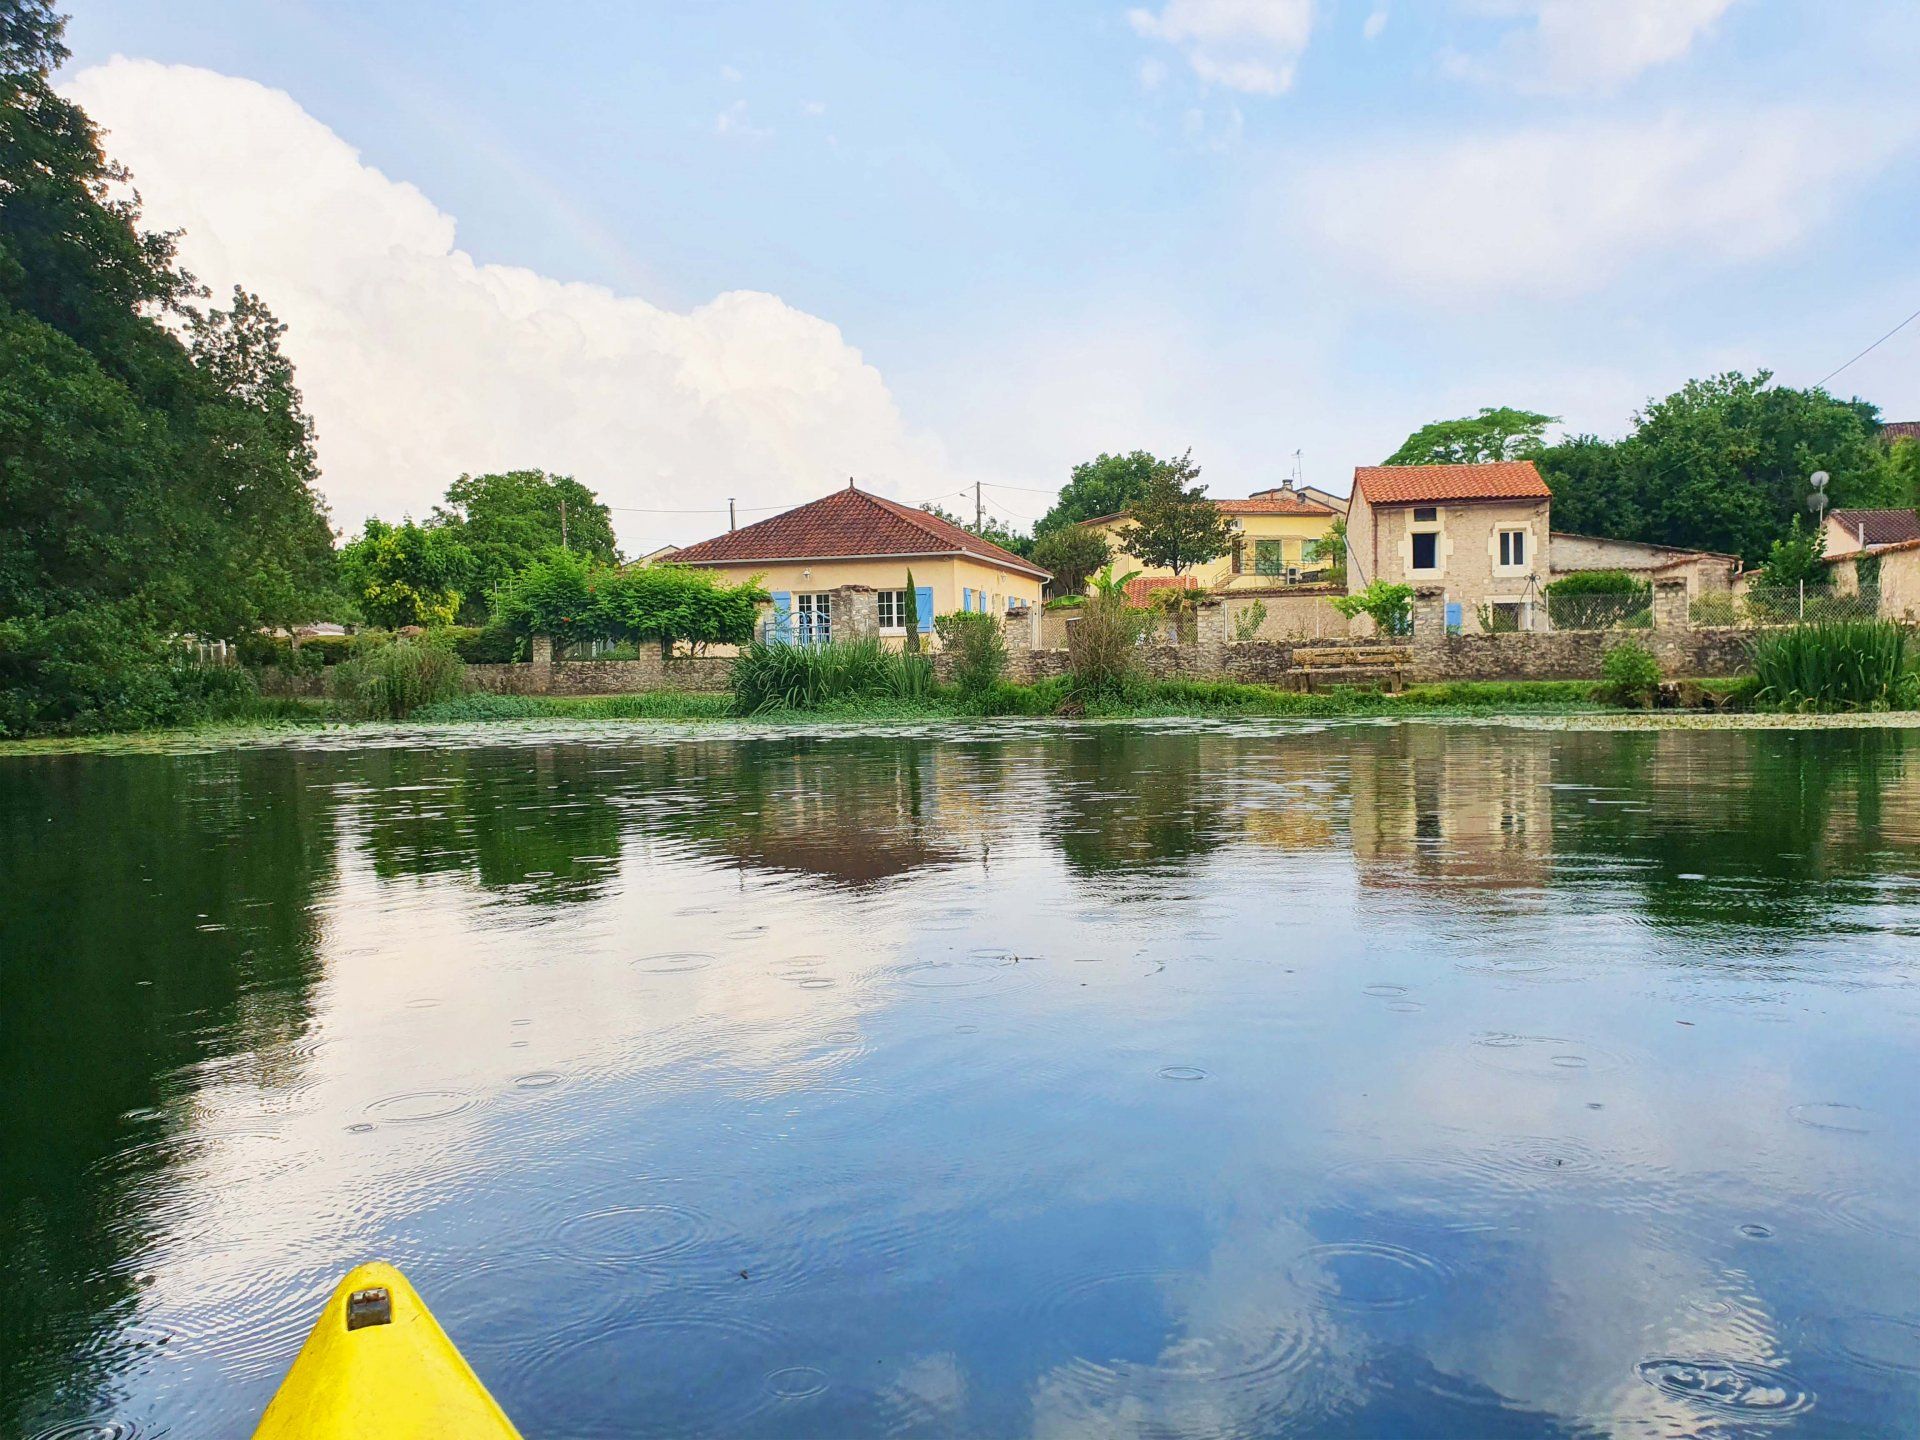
pixel 1429 803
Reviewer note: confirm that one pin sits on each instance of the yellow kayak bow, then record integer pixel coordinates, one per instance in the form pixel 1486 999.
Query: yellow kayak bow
pixel 378 1363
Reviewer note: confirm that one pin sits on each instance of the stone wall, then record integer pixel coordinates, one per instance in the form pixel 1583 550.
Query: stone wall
pixel 1578 654
pixel 563 677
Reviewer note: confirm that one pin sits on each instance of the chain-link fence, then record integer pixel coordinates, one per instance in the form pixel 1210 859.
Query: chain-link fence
pixel 1626 611
pixel 1796 605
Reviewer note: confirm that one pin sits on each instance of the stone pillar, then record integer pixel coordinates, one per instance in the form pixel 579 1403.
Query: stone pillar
pixel 854 613
pixel 1429 614
pixel 541 668
pixel 1670 605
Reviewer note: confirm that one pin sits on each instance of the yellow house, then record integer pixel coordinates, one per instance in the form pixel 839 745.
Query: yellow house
pixel 1273 532
pixel 853 538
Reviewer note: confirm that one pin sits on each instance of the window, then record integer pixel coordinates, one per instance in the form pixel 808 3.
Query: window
pixel 893 610
pixel 1426 514
pixel 1513 547
pixel 812 618
pixel 1426 550
pixel 1269 557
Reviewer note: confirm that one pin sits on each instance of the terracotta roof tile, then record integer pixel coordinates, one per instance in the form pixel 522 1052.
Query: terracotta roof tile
pixel 1422 484
pixel 845 525
pixel 1883 527
pixel 1900 430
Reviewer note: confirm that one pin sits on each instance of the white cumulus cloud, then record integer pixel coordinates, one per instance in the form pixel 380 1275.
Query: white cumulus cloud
pixel 1590 46
pixel 1250 45
pixel 418 361
pixel 1559 211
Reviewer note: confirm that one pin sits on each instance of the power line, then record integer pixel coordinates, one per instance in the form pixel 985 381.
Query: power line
pixel 1870 349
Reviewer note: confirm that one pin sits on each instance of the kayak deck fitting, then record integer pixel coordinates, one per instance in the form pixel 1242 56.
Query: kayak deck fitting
pixel 378 1364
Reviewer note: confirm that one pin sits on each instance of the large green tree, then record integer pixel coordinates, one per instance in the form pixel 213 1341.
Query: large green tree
pixel 1722 464
pixel 506 521
pixel 1172 524
pixel 156 467
pixel 1496 433
pixel 989 529
pixel 406 574
pixel 1074 554
pixel 1105 485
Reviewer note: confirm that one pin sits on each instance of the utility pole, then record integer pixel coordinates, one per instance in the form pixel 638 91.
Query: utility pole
pixel 979 514
pixel 563 524
pixel 730 521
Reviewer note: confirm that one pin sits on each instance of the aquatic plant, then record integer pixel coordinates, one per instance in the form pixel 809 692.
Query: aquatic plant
pixel 1836 665
pixel 807 677
pixel 390 682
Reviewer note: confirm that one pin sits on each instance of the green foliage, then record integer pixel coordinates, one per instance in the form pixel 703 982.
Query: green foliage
pixel 405 574
pixel 1722 464
pixel 809 677
pixel 1103 645
pixel 1632 674
pixel 507 521
pixel 1172 525
pixel 1836 665
pixel 332 649
pixel 1246 625
pixel 1499 433
pixel 1716 607
pixel 32 38
pixel 1107 585
pixel 481 706
pixel 390 682
pixel 1106 485
pixel 1599 600
pixel 1065 602
pixel 978 648
pixel 1390 606
pixel 1074 554
pixel 1330 551
pixel 912 617
pixel 1794 559
pixel 494 645
pixel 567 596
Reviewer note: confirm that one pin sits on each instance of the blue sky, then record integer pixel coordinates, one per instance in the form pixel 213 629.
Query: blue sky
pixel 1005 237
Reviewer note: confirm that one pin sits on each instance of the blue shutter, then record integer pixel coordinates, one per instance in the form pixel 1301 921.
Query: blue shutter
pixel 780 632
pixel 923 602
pixel 966 598
pixel 1454 618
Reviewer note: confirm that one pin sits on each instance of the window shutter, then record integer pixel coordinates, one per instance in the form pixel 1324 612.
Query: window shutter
pixel 923 602
pixel 780 632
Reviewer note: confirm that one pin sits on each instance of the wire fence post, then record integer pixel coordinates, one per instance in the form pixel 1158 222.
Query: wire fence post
pixel 1803 600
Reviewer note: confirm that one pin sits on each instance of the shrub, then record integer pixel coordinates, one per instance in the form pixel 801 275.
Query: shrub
pixel 573 599
pixel 1795 559
pixel 1103 645
pixel 495 645
pixel 1714 608
pixel 1632 674
pixel 978 648
pixel 483 705
pixel 1066 602
pixel 1835 665
pixel 807 677
pixel 390 682
pixel 102 668
pixel 1390 606
pixel 331 649
pixel 1599 600
pixel 1246 625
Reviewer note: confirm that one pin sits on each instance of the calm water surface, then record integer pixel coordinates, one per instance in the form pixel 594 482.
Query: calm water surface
pixel 1360 1080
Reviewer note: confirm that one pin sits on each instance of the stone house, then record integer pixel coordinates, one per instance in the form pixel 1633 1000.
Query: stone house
pixel 1851 530
pixel 1479 532
pixel 1705 571
pixel 1892 569
pixel 851 538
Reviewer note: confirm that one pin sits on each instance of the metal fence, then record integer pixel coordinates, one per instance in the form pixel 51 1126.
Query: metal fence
pixel 1600 612
pixel 1801 604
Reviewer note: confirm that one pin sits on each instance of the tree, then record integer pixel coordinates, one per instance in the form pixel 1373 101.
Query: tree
pixel 1173 526
pixel 1598 487
pixel 508 520
pixel 989 529
pixel 1075 554
pixel 405 574
pixel 1389 606
pixel 1331 550
pixel 156 466
pixel 1106 485
pixel 1795 558
pixel 1501 433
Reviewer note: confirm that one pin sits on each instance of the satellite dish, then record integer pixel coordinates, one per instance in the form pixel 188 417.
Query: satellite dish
pixel 1816 502
pixel 1818 479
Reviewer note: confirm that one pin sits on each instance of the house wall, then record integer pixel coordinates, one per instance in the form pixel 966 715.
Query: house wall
pixel 1302 613
pixel 1899 582
pixel 1569 554
pixel 1841 539
pixel 947 576
pixel 1295 532
pixel 1467 551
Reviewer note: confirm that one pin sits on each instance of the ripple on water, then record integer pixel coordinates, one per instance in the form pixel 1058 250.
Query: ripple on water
pixel 414 1107
pixel 797 1382
pixel 1880 1342
pixel 1833 1115
pixel 1877 1212
pixel 1235 1361
pixel 1182 1072
pixel 537 1080
pixel 1545 1056
pixel 109 1428
pixel 1733 1387
pixel 653 1233
pixel 674 962
pixel 661 1374
pixel 1425 1192
pixel 962 973
pixel 1384 991
pixel 1366 1275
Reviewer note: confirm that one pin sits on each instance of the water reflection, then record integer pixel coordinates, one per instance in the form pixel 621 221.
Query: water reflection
pixel 1119 1080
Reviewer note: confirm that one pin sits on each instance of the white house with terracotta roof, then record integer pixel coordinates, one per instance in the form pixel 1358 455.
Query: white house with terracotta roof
pixel 851 537
pixel 1477 531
